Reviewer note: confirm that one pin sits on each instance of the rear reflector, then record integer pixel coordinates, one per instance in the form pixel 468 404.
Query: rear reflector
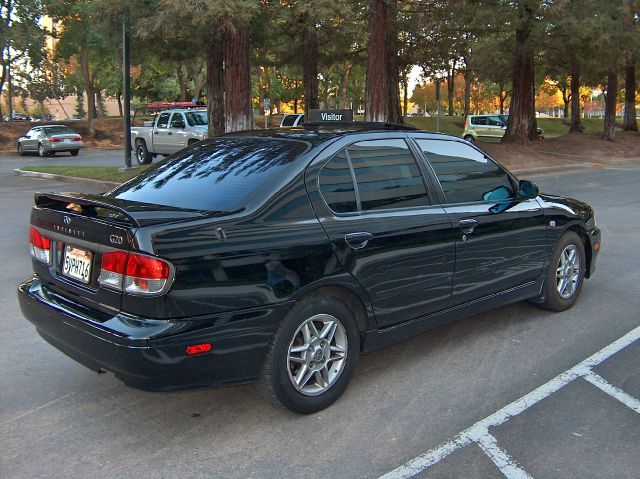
pixel 40 246
pixel 134 273
pixel 198 348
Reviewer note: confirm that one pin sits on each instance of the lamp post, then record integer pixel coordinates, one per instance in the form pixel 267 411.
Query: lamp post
pixel 126 88
pixel 438 102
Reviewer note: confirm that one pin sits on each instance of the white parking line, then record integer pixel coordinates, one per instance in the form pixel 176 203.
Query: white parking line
pixel 613 391
pixel 501 458
pixel 479 430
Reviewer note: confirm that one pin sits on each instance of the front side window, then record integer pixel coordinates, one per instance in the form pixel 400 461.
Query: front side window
pixel 163 120
pixel 336 184
pixel 177 121
pixel 494 121
pixel 465 174
pixel 387 175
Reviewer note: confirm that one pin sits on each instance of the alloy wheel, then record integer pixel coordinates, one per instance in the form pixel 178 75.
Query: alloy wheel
pixel 568 271
pixel 317 354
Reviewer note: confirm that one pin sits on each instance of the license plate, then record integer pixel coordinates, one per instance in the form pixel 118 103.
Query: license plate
pixel 77 264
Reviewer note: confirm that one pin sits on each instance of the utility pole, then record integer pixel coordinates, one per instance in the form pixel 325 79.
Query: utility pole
pixel 126 83
pixel 9 86
pixel 438 104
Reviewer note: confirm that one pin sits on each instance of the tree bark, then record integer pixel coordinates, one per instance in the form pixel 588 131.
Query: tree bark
pixel 237 78
pixel 566 100
pixel 198 81
pixel 405 93
pixel 609 132
pixel 467 93
pixel 119 98
pixel 182 82
pixel 451 84
pixel 88 88
pixel 343 84
pixel 575 126
pixel 382 94
pixel 629 122
pixel 310 64
pixel 215 80
pixel 521 126
pixel 502 97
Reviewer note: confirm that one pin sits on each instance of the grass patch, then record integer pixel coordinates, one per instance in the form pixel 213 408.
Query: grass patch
pixel 451 125
pixel 102 173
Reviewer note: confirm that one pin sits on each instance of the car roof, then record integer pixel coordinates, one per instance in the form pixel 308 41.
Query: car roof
pixel 317 133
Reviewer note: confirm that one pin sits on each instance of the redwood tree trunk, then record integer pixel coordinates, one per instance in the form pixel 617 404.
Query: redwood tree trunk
pixel 566 100
pixel 405 93
pixel 310 65
pixel 629 122
pixel 182 82
pixel 609 132
pixel 451 84
pixel 88 87
pixel 215 81
pixel 467 93
pixel 237 79
pixel 343 85
pixel 382 100
pixel 522 119
pixel 575 125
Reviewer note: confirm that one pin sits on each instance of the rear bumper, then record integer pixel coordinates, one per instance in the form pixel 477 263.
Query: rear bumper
pixel 61 146
pixel 151 354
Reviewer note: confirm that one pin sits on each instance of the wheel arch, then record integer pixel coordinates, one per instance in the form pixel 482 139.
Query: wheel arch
pixel 360 306
pixel 581 231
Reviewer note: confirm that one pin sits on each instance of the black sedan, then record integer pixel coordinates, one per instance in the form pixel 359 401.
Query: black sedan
pixel 280 256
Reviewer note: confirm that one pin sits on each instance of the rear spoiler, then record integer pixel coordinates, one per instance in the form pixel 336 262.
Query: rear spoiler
pixel 113 209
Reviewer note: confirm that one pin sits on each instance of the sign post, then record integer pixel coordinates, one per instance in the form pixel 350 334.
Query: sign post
pixel 126 83
pixel 266 112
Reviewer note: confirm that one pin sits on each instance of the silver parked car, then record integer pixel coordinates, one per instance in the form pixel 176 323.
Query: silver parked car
pixel 48 139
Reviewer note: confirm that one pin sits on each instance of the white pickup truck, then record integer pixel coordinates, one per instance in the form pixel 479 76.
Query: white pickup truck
pixel 171 131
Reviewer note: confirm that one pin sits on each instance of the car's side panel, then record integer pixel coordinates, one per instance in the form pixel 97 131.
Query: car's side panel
pixel 406 267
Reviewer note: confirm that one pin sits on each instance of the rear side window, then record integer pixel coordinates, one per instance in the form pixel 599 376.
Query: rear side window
pixel 479 120
pixel 465 174
pixel 221 174
pixel 387 175
pixel 336 184
pixel 289 120
pixel 163 120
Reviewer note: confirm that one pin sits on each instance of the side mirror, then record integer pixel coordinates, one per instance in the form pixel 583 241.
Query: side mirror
pixel 527 189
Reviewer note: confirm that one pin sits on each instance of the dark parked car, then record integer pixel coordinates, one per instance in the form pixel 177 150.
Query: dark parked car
pixel 280 256
pixel 49 139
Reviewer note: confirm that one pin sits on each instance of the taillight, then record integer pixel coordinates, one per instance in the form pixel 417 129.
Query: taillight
pixel 77 138
pixel 53 140
pixel 134 273
pixel 40 246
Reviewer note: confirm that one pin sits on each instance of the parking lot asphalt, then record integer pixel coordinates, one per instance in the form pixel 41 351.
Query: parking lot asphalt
pixel 60 420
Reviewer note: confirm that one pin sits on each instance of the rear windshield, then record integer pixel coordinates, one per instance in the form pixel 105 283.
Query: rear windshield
pixel 58 130
pixel 197 118
pixel 220 174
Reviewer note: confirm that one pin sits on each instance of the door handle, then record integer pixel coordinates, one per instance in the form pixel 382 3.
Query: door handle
pixel 156 132
pixel 358 240
pixel 170 133
pixel 467 226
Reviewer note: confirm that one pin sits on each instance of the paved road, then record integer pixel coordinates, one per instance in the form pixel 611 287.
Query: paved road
pixel 88 157
pixel 59 420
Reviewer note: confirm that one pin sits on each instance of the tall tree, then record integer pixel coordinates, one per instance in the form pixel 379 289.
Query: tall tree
pixel 237 77
pixel 522 125
pixel 382 94
pixel 632 23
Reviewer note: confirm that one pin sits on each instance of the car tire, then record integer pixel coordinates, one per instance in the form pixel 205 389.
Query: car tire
pixel 470 139
pixel 565 274
pixel 20 150
pixel 41 151
pixel 143 157
pixel 74 152
pixel 299 372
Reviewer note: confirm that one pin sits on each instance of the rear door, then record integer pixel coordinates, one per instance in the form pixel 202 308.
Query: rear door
pixel 480 126
pixel 373 201
pixel 500 238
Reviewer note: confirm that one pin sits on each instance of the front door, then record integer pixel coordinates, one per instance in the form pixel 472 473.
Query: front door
pixel 373 204
pixel 161 137
pixel 500 237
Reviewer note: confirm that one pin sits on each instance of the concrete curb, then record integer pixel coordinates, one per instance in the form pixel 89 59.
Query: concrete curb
pixel 52 176
pixel 547 170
